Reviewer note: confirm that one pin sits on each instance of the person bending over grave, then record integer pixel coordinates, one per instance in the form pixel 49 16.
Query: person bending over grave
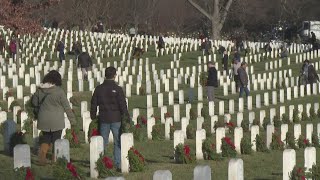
pixel 137 53
pixel 312 75
pixel 284 52
pixel 110 99
pixel 243 78
pixel 221 49
pixel 50 103
pixel 85 63
pixel 212 81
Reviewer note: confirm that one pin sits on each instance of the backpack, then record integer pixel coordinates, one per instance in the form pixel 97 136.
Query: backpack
pixel 36 108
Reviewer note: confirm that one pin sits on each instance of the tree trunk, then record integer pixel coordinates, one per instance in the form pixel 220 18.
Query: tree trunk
pixel 215 31
pixel 215 20
pixel 217 16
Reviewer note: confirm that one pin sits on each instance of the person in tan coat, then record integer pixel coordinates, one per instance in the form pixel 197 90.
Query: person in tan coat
pixel 52 103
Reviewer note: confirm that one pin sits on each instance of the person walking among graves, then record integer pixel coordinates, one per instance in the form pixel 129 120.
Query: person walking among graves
pixel 13 48
pixel 303 78
pixel 60 49
pixel 207 46
pixel 161 43
pixel 50 102
pixel 267 47
pixel 2 44
pixel 76 48
pixel 212 81
pixel 237 56
pixel 225 59
pixel 100 27
pixel 85 63
pixel 235 66
pixel 243 78
pixel 110 99
pixel 313 38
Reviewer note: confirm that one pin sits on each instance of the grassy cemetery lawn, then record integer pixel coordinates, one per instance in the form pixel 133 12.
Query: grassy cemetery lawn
pixel 159 154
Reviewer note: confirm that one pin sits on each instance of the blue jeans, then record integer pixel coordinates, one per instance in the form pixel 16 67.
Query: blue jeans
pixel 105 131
pixel 245 89
pixel 61 56
pixel 191 95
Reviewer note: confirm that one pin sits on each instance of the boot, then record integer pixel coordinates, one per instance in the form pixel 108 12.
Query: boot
pixel 43 154
pixel 52 154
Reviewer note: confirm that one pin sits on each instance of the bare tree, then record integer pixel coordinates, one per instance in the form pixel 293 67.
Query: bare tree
pixel 294 10
pixel 217 12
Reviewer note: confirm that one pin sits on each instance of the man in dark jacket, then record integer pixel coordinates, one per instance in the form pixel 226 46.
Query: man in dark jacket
pixel 85 62
pixel 225 59
pixel 243 78
pixel 76 48
pixel 2 44
pixel 112 109
pixel 60 49
pixel 212 81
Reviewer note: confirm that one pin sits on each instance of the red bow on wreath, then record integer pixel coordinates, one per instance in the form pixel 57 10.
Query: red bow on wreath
pixel 72 169
pixel 95 132
pixel 29 175
pixel 75 137
pixel 107 162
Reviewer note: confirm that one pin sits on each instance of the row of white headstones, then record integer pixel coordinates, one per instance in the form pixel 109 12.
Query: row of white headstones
pixel 235 171
pixel 185 120
pixel 22 159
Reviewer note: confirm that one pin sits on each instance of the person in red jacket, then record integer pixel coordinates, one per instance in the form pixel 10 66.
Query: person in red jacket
pixel 13 48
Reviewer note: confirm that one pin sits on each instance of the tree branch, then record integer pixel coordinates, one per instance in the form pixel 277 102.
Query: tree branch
pixel 225 11
pixel 200 9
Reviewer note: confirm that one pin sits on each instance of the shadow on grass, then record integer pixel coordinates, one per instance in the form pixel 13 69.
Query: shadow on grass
pixel 85 163
pixel 46 178
pixel 170 157
pixel 5 153
pixel 154 161
pixel 274 175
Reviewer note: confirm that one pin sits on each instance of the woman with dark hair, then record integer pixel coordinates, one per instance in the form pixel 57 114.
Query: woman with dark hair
pixel 52 103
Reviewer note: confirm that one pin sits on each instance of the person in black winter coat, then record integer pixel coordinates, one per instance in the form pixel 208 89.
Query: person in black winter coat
pixel 85 63
pixel 76 48
pixel 225 59
pixel 110 99
pixel 212 81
